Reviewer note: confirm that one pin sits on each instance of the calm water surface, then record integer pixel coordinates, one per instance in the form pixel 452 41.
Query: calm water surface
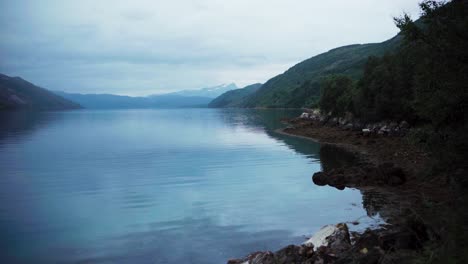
pixel 158 186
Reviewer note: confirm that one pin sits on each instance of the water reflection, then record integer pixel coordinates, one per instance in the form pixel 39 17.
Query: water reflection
pixel 161 186
pixel 333 157
pixel 269 121
pixel 217 245
pixel 21 123
pixel 378 204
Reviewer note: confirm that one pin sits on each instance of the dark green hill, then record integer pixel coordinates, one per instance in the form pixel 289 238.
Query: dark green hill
pixel 300 85
pixel 235 98
pixel 18 94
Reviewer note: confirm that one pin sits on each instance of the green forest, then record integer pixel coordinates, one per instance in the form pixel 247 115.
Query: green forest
pixel 423 81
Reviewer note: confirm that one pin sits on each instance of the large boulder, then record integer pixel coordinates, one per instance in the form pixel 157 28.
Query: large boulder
pixel 335 238
pixel 319 178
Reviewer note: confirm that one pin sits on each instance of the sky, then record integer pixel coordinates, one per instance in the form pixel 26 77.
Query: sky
pixel 143 47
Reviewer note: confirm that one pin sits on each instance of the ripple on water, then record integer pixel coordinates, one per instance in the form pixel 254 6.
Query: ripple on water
pixel 165 186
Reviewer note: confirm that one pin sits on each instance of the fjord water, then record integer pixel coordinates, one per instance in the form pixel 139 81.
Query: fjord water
pixel 158 186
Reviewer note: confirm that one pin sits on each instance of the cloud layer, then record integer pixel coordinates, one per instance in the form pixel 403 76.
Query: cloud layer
pixel 146 47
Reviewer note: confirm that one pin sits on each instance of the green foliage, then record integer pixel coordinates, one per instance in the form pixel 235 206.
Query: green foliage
pixel 300 85
pixel 384 92
pixel 336 95
pixel 423 80
pixel 306 95
pixel 441 64
pixel 440 79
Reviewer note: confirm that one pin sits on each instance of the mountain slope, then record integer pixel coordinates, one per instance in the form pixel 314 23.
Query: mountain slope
pixel 211 92
pixel 300 85
pixel 110 101
pixel 17 94
pixel 234 98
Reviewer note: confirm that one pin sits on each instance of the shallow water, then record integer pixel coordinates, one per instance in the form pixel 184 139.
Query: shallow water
pixel 158 186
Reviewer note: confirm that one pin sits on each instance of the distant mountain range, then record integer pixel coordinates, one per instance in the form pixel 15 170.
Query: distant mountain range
pixel 18 94
pixel 211 92
pixel 111 101
pixel 182 99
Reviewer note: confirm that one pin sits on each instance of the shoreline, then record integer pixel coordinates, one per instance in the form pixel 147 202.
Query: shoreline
pixel 387 170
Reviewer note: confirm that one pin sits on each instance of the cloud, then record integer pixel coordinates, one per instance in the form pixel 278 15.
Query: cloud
pixel 138 47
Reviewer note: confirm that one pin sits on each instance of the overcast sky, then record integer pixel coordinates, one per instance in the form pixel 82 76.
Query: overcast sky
pixel 149 47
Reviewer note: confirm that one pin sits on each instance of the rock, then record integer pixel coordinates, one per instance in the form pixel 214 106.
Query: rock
pixel 332 244
pixel 375 128
pixel 392 125
pixel 319 178
pixel 361 174
pixel 410 235
pixel 334 121
pixel 313 117
pixel 320 237
pixel 368 239
pixel 348 126
pixel 385 130
pixel 396 177
pixel 289 254
pixel 340 240
pixel 357 126
pixel 342 121
pixel 304 115
pixel 334 237
pixel 293 254
pixel 366 132
pixel 404 125
pixel 258 257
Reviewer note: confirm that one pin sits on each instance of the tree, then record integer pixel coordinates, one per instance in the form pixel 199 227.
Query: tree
pixel 336 94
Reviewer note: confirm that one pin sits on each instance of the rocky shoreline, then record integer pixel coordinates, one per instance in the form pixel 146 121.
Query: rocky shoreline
pixel 375 159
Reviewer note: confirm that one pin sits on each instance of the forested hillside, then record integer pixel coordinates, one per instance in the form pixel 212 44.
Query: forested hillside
pixel 300 85
pixel 18 94
pixel 425 81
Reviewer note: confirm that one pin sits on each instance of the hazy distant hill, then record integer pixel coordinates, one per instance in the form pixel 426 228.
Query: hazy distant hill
pixel 185 98
pixel 17 94
pixel 234 98
pixel 211 92
pixel 110 101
